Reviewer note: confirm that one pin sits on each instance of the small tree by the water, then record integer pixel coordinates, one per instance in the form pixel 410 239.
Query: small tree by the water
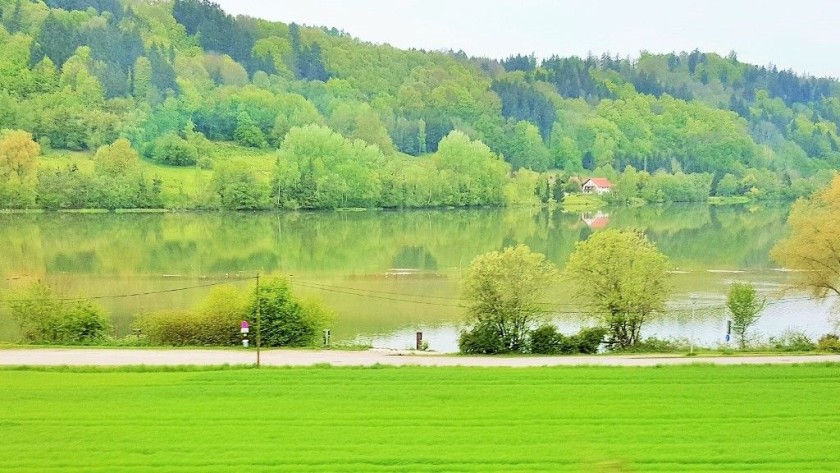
pixel 746 308
pixel 504 289
pixel 623 279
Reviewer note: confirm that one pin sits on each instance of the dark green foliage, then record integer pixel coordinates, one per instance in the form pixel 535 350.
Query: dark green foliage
pixel 56 40
pixel 520 63
pixel 111 6
pixel 163 73
pixel 829 342
pixel 483 339
pixel 546 340
pixel 285 320
pixel 218 31
pixel 522 102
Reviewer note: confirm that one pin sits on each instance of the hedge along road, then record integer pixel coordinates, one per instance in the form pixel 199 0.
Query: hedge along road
pixel 176 357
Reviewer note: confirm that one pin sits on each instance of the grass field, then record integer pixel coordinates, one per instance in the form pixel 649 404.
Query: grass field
pixel 698 418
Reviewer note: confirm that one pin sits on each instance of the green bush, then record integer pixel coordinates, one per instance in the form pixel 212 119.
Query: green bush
pixel 286 321
pixel 215 322
pixel 829 342
pixel 792 340
pixel 205 163
pixel 483 339
pixel 546 340
pixel 589 340
pixel 173 150
pixel 44 319
pixel 655 345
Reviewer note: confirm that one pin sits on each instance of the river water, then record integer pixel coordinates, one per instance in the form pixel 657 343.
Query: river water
pixel 387 275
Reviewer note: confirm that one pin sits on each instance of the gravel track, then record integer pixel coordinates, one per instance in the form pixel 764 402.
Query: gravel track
pixel 176 357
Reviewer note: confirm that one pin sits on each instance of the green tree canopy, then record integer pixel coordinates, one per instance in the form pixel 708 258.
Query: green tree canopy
pixel 504 289
pixel 623 279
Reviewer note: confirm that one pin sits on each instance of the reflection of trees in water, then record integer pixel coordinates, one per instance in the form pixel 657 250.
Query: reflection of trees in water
pixel 414 257
pixel 196 243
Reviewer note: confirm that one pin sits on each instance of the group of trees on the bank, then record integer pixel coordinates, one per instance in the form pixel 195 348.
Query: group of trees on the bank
pixel 285 319
pixel 174 77
pixel 621 280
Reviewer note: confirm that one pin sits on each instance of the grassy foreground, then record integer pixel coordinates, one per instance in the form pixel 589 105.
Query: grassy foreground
pixel 696 418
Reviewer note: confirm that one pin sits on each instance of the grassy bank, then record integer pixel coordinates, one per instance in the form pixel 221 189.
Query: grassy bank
pixel 699 418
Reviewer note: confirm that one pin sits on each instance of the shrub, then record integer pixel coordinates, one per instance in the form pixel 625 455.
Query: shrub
pixel 792 340
pixel 205 163
pixel 829 342
pixel 589 340
pixel 546 340
pixel 44 319
pixel 483 339
pixel 286 321
pixel 173 150
pixel 216 321
pixel 656 345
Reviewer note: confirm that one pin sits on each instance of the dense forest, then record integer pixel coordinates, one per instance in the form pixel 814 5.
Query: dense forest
pixel 137 87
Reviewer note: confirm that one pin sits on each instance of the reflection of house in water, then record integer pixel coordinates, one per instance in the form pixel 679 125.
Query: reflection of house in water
pixel 596 220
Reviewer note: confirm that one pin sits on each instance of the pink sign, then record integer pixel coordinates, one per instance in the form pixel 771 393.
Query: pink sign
pixel 244 324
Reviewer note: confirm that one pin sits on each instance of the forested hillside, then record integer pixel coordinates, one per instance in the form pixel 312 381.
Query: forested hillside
pixel 100 99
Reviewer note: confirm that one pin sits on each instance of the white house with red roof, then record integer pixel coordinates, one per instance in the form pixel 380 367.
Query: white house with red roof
pixel 597 185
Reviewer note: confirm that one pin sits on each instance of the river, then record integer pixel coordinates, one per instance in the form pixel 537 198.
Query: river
pixel 387 275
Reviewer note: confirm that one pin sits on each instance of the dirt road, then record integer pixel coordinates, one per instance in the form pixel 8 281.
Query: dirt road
pixel 124 357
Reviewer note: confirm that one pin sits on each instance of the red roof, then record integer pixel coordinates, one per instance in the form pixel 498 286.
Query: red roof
pixel 601 182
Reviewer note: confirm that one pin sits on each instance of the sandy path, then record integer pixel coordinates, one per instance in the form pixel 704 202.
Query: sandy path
pixel 122 357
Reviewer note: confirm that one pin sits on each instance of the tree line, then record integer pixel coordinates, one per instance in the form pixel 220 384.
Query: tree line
pixel 79 75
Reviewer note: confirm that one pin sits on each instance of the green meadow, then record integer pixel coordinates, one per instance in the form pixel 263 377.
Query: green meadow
pixel 697 418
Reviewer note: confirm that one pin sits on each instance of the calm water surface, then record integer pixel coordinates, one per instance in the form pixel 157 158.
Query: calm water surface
pixel 387 275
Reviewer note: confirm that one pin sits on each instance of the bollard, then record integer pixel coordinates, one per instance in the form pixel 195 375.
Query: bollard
pixel 327 337
pixel 419 340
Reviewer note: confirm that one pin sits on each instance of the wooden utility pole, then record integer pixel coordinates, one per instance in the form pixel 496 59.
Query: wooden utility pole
pixel 259 321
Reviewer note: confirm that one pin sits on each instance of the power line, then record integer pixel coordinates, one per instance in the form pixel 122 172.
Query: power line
pixel 124 296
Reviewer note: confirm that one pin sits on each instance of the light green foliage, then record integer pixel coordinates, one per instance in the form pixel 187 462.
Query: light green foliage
pixel 68 78
pixel 812 246
pixel 745 307
pixel 470 173
pixel 238 187
pixel 215 322
pixel 504 290
pixel 295 111
pixel 18 160
pixel 173 150
pixel 623 279
pixel 372 415
pixel 319 168
pixel 45 319
pixel 286 320
pixel 117 159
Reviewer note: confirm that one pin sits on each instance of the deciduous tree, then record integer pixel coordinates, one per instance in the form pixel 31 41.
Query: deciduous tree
pixel 813 248
pixel 623 279
pixel 745 307
pixel 504 289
